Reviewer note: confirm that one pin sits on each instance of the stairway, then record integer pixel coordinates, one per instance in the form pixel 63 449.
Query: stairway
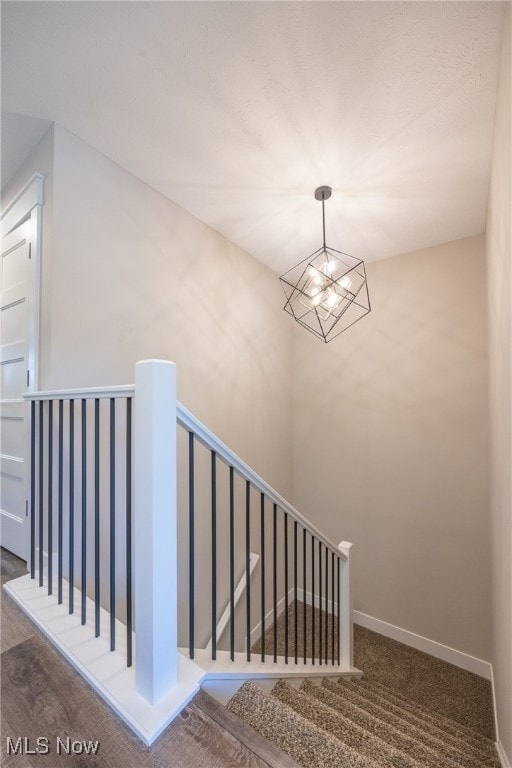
pixel 358 723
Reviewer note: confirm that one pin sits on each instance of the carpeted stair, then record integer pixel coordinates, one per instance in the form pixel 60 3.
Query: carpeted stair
pixel 359 723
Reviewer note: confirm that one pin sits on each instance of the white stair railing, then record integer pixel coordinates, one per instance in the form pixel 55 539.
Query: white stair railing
pixel 328 567
pixel 124 584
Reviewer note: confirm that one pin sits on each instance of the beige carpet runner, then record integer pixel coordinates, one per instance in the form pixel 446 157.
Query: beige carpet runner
pixel 359 724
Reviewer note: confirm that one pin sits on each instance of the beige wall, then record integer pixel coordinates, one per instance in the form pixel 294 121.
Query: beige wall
pixel 390 444
pixel 134 276
pixel 499 246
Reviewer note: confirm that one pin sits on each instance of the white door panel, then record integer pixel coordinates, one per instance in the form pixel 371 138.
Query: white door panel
pixel 12 530
pixel 14 262
pixel 13 378
pixel 13 319
pixel 12 441
pixel 14 335
pixel 11 353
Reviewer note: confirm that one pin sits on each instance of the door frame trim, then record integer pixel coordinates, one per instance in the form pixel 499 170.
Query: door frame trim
pixel 31 194
pixel 26 207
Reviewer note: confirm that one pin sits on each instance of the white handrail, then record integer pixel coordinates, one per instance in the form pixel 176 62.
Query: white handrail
pixel 85 393
pixel 203 434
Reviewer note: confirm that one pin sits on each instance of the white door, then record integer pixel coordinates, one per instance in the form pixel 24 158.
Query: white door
pixel 14 372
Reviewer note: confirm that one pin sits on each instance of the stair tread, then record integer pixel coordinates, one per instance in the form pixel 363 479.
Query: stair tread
pixel 438 685
pixel 358 725
pixel 350 733
pixel 410 740
pixel 308 744
pixel 441 720
pixel 397 710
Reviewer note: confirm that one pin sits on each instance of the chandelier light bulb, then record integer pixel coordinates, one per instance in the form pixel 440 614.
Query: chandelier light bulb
pixel 333 299
pixel 329 266
pixel 315 275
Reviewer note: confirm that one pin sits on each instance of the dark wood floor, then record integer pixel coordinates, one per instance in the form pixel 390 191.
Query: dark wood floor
pixel 42 696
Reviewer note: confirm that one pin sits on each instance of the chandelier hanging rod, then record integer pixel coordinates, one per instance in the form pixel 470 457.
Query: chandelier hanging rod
pixel 323 194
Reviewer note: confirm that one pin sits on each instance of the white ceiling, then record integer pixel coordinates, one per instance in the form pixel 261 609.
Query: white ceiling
pixel 238 110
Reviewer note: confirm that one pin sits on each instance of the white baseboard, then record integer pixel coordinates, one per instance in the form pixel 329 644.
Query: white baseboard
pixel 440 651
pixel 495 711
pixel 501 754
pixel 269 619
pixel 432 647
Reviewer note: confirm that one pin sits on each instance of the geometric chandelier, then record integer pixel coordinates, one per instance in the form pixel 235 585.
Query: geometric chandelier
pixel 327 292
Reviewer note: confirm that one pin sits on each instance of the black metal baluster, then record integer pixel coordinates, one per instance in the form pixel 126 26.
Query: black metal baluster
pixel 332 612
pixel 295 628
pixel 60 499
pixel 304 591
pixel 129 616
pixel 41 486
pixel 33 489
pixel 96 517
pixel 71 504
pixel 214 555
pixel 50 497
pixel 112 524
pixel 248 567
pixel 232 563
pixel 84 508
pixel 339 611
pixel 312 599
pixel 274 548
pixel 285 588
pixel 320 622
pixel 262 573
pixel 191 536
pixel 326 655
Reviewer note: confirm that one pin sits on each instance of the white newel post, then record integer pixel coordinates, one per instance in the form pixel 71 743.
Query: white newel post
pixel 345 626
pixel 155 529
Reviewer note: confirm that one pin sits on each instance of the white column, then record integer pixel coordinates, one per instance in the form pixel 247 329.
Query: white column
pixel 155 529
pixel 345 622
